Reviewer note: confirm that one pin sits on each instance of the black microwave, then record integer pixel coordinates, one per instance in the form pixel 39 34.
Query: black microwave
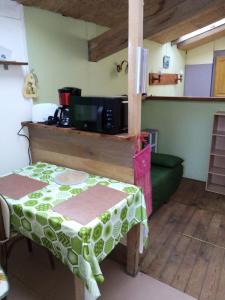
pixel 99 114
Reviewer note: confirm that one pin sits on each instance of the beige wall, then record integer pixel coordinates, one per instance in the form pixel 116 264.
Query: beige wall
pixel 204 53
pixel 177 64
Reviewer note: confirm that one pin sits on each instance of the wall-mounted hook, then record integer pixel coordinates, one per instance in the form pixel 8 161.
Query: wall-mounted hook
pixel 119 67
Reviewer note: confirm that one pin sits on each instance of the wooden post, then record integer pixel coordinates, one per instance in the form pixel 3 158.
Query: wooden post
pixel 136 8
pixel 135 40
pixel 79 289
pixel 133 240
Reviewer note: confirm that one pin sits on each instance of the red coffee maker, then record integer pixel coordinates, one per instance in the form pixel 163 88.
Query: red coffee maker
pixel 64 95
pixel 64 99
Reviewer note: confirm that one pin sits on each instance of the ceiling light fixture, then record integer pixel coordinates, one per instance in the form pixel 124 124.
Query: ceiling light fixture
pixel 199 31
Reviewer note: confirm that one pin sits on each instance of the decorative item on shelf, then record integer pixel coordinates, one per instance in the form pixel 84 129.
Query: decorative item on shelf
pixel 6 59
pixel 180 76
pixel 164 79
pixel 119 67
pixel 5 54
pixel 166 62
pixel 30 85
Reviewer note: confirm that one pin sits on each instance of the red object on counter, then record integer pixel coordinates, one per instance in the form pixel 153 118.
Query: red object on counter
pixel 64 95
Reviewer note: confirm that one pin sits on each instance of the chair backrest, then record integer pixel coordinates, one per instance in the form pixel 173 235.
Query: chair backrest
pixel 4 219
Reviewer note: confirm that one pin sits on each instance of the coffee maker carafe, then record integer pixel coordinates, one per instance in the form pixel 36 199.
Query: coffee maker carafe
pixel 63 112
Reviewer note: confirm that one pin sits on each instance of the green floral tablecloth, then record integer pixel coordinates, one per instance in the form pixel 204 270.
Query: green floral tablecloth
pixel 4 286
pixel 79 247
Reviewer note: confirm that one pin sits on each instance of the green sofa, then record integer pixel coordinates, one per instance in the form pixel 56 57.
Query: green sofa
pixel 166 173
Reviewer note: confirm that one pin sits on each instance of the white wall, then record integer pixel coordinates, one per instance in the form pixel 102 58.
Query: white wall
pixel 13 107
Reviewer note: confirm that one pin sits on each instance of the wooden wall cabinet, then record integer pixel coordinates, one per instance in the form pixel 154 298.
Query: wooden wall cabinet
pixel 216 173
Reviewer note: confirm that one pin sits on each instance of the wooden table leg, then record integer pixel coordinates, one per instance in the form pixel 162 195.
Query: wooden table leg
pixel 133 240
pixel 79 289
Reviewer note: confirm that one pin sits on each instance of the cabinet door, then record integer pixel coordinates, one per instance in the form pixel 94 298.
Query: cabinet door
pixel 219 79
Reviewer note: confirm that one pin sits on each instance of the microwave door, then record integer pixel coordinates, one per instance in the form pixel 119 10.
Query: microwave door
pixel 100 119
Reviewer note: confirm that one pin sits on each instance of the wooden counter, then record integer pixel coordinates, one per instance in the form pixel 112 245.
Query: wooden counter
pixel 101 154
pixel 122 136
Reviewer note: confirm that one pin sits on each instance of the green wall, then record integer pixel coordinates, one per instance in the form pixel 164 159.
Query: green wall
pixel 58 53
pixel 185 130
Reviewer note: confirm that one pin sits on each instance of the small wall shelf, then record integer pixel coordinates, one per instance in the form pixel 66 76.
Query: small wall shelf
pixel 7 63
pixel 164 79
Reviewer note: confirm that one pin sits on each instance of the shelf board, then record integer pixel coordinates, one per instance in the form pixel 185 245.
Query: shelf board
pixel 7 63
pixel 14 63
pixel 216 188
pixel 217 171
pixel 219 133
pixel 218 152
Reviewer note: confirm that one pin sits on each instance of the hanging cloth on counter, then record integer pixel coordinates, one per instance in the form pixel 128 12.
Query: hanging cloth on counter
pixel 142 170
pixel 30 86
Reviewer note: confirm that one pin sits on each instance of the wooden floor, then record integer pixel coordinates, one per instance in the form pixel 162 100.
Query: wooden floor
pixel 187 242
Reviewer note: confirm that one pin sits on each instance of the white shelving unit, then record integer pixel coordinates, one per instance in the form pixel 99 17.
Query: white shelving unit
pixel 216 174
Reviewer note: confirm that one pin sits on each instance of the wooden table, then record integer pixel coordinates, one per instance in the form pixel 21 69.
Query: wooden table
pixel 100 154
pixel 81 247
pixel 133 239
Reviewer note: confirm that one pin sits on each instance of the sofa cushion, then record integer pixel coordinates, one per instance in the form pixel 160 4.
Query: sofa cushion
pixel 164 183
pixel 165 160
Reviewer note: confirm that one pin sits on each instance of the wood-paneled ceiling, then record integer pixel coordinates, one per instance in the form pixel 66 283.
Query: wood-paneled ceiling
pixel 164 20
pixel 108 13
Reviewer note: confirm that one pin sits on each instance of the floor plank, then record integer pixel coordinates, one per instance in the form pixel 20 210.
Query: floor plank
pixel 213 230
pixel 185 269
pixel 187 242
pixel 163 255
pixel 220 295
pixel 196 280
pixel 173 263
pixel 203 224
pixel 175 215
pixel 220 240
pixel 212 279
pixel 193 224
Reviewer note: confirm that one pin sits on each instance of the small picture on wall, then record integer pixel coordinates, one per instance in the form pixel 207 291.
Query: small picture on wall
pixel 166 61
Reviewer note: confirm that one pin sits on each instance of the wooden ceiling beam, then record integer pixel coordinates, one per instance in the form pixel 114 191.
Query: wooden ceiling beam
pixel 174 18
pixel 202 39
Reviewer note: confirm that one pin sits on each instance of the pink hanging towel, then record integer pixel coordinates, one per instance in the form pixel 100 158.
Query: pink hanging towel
pixel 142 178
